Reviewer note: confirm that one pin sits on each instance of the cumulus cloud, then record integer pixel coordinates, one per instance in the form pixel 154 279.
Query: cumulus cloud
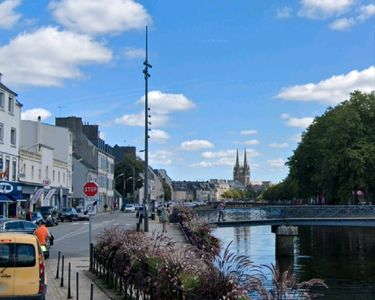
pixel 164 103
pixel 277 163
pixel 342 24
pixel 284 12
pixel 34 113
pixel 332 90
pixel 251 142
pixel 52 61
pixel 8 17
pixel 297 122
pixel 221 158
pixel 139 120
pixel 159 136
pixel 134 53
pixel 195 145
pixel 365 12
pixel 248 132
pixel 99 16
pixel 279 145
pixel 317 9
pixel 160 157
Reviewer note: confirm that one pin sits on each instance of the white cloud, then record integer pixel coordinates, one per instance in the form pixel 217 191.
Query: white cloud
pixel 332 90
pixel 251 142
pixel 100 16
pixel 163 103
pixel 139 120
pixel 277 163
pixel 364 12
pixel 297 122
pixel 284 12
pixel 318 9
pixel 221 158
pixel 134 53
pixel 8 17
pixel 34 113
pixel 342 24
pixel 159 136
pixel 279 145
pixel 102 135
pixel 160 157
pixel 220 154
pixel 195 145
pixel 50 62
pixel 248 132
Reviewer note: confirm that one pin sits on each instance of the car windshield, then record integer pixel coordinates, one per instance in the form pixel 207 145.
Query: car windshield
pixel 79 210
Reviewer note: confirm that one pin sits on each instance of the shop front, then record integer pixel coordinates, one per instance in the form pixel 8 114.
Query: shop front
pixel 10 199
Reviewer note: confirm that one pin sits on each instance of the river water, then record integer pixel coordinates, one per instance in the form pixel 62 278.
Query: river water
pixel 344 257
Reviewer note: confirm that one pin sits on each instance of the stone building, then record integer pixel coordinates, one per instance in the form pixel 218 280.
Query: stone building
pixel 242 173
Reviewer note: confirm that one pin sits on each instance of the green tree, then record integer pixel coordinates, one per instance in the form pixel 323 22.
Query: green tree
pixel 167 191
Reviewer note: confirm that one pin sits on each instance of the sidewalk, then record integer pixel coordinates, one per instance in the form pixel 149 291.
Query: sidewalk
pixel 81 265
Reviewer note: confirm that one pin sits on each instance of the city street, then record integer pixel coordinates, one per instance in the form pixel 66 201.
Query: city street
pixel 72 238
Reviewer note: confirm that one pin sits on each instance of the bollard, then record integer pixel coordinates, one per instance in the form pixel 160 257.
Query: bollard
pixel 92 292
pixel 58 265
pixel 77 286
pixel 69 289
pixel 62 272
pixel 138 227
pixel 91 254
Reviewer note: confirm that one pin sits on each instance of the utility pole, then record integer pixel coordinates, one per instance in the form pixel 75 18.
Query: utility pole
pixel 123 187
pixel 145 199
pixel 133 184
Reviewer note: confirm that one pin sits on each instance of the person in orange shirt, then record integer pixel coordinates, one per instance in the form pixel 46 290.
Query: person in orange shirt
pixel 43 234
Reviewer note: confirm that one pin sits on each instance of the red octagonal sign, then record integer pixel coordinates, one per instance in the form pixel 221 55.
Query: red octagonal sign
pixel 90 189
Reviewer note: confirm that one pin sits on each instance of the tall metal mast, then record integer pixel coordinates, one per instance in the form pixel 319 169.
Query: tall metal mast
pixel 146 196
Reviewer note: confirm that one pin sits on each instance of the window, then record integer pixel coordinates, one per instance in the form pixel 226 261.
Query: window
pixel 14 170
pixel 5 255
pixel 1 163
pixel 1 132
pixel 11 105
pixel 32 172
pixel 63 178
pixel 25 255
pixel 53 175
pixel 13 136
pixel 58 176
pixel 2 104
pixel 40 174
pixel 47 175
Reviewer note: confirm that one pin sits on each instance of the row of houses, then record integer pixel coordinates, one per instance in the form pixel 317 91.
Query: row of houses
pixel 47 165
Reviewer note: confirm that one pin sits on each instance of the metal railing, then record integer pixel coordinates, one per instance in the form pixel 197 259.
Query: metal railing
pixel 290 212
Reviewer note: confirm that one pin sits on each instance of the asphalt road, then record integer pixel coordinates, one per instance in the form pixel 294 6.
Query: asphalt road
pixel 72 238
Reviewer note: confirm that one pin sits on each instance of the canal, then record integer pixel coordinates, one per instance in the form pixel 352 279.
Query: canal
pixel 344 257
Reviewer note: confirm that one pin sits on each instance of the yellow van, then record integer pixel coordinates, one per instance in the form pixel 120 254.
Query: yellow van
pixel 22 267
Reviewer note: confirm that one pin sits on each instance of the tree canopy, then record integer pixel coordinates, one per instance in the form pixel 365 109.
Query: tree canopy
pixel 336 156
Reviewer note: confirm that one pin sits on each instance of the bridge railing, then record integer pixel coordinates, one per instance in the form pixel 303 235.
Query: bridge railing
pixel 288 211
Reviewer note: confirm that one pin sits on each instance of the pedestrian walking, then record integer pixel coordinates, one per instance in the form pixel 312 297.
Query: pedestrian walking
pixel 220 208
pixel 164 217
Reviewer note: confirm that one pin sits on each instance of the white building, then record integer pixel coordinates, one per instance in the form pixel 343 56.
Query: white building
pixel 46 163
pixel 10 116
pixel 105 178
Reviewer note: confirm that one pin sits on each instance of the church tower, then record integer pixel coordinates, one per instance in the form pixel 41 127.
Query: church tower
pixel 246 171
pixel 237 169
pixel 242 173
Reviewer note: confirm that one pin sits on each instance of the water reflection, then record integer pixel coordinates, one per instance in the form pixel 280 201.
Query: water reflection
pixel 344 257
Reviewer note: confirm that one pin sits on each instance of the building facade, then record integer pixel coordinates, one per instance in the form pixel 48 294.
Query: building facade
pixel 45 164
pixel 10 118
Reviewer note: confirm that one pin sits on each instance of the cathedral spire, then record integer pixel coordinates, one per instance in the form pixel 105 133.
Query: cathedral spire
pixel 237 161
pixel 245 161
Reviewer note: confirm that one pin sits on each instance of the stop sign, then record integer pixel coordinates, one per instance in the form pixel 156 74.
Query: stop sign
pixel 90 189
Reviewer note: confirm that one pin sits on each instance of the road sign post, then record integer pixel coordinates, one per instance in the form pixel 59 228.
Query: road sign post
pixel 90 189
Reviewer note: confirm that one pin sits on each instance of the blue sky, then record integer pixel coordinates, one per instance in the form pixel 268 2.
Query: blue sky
pixel 226 74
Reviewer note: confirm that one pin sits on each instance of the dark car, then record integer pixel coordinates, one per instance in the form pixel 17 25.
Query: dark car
pixel 69 214
pixel 50 215
pixel 36 217
pixel 16 225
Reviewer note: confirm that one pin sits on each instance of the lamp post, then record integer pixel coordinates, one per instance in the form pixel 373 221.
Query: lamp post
pixel 123 182
pixel 146 76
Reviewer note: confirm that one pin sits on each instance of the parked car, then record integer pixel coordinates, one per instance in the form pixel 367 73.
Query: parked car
pixel 81 214
pixel 36 217
pixel 22 267
pixel 50 215
pixel 129 208
pixel 69 214
pixel 16 225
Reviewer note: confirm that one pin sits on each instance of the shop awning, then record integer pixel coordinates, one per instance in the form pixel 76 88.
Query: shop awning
pixel 4 198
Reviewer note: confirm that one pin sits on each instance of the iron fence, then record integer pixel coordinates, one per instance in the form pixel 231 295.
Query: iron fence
pixel 290 212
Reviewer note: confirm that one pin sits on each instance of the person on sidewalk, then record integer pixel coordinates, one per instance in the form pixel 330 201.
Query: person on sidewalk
pixel 220 208
pixel 164 217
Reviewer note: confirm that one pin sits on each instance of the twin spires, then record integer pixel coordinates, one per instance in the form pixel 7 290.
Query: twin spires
pixel 242 173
